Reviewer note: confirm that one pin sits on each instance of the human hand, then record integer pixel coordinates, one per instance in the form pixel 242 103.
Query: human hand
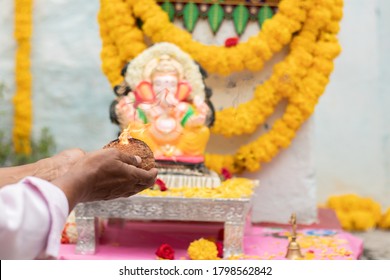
pixel 57 165
pixel 103 175
pixel 47 168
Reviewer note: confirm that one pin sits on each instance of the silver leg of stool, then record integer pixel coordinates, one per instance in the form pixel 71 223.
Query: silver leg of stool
pixel 233 239
pixel 86 230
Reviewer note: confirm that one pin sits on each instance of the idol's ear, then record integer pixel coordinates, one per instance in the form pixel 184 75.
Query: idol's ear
pixel 122 89
pixel 183 91
pixel 124 69
pixel 113 116
pixel 144 92
pixel 210 118
pixel 208 92
pixel 203 72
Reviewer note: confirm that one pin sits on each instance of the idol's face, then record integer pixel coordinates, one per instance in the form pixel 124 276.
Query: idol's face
pixel 164 84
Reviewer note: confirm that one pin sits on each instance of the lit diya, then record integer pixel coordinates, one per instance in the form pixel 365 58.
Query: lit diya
pixel 131 146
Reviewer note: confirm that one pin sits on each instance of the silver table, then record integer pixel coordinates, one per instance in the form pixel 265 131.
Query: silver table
pixel 232 212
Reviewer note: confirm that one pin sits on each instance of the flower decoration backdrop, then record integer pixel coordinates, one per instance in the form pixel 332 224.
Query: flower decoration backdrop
pixel 70 94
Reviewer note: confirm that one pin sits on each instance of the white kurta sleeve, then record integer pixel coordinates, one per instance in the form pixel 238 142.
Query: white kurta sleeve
pixel 33 213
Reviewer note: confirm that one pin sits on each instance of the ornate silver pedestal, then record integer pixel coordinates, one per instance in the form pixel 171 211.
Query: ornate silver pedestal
pixel 232 212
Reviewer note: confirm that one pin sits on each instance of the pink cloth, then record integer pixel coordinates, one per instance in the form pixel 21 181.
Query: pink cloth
pixel 33 214
pixel 140 240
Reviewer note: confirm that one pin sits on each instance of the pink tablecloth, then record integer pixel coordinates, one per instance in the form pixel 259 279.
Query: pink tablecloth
pixel 139 240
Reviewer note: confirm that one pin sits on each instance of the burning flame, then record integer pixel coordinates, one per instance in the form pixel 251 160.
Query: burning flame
pixel 125 135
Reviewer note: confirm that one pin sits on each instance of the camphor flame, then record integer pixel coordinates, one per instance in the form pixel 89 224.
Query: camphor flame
pixel 124 136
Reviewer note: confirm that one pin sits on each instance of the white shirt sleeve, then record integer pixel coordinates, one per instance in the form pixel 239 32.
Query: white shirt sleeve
pixel 33 213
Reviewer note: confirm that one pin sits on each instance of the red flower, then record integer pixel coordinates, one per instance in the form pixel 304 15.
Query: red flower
pixel 221 233
pixel 231 42
pixel 220 249
pixel 64 240
pixel 160 183
pixel 165 251
pixel 226 173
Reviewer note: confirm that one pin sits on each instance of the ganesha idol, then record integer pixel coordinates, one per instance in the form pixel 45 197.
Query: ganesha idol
pixel 163 102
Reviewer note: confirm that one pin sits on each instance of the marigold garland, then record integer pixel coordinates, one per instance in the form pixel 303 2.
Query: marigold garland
pixel 384 223
pixel 314 64
pixel 355 212
pixel 251 55
pixel 23 79
pixel 118 30
pixel 301 78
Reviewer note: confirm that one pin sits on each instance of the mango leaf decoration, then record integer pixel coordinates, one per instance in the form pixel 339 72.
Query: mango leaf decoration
pixel 240 18
pixel 215 16
pixel 169 9
pixel 190 16
pixel 265 13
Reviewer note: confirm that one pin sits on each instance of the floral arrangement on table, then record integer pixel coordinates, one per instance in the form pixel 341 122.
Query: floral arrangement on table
pixel 309 28
pixel 200 249
pixel 358 213
pixel 328 246
pixel 230 188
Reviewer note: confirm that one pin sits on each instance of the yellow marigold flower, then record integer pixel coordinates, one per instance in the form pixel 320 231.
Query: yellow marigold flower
pixel 385 220
pixel 362 220
pixel 355 212
pixel 202 249
pixel 345 220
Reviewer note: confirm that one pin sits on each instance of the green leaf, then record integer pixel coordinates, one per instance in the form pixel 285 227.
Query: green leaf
pixel 215 16
pixel 265 13
pixel 169 9
pixel 240 18
pixel 190 16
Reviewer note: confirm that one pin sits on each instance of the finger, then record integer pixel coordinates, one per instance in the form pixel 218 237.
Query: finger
pixel 143 177
pixel 130 159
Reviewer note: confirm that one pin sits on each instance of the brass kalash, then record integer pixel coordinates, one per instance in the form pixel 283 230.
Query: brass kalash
pixel 293 248
pixel 165 103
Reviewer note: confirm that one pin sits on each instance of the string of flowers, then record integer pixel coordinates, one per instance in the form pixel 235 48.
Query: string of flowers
pixel 251 55
pixel 358 213
pixel 314 59
pixel 384 223
pixel 122 40
pixel 23 78
pixel 301 78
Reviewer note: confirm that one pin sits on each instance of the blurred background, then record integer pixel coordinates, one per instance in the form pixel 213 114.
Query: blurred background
pixel 349 131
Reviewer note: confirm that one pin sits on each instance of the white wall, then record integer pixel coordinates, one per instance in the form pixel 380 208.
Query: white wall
pixel 71 96
pixel 352 120
pixel 351 145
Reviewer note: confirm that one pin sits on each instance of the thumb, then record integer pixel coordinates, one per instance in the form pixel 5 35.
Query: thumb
pixel 130 159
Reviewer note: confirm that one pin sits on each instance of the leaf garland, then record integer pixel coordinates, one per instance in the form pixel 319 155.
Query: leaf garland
pixel 249 55
pixel 240 18
pixel 264 13
pixel 215 17
pixel 190 16
pixel 169 9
